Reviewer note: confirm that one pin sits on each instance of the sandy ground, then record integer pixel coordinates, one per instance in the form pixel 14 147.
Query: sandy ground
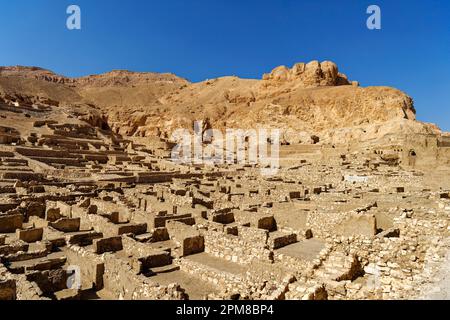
pixel 440 290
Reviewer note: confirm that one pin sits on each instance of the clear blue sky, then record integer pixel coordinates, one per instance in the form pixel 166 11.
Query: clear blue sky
pixel 200 39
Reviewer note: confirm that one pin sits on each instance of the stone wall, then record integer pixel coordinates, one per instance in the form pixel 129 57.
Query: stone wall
pixel 121 280
pixel 250 244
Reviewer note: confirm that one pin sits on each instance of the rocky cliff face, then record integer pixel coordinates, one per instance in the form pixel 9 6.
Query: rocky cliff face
pixel 305 101
pixel 313 74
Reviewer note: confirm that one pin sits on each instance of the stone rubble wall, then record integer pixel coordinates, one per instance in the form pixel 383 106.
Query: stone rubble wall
pixel 250 244
pixel 120 278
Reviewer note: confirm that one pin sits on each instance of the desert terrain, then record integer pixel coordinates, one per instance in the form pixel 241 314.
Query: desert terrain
pixel 92 205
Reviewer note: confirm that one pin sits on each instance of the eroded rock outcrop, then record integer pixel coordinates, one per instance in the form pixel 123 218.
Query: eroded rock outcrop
pixel 312 74
pixel 308 100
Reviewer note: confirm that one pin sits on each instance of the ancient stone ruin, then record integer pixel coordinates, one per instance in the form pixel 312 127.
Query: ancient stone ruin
pixel 93 207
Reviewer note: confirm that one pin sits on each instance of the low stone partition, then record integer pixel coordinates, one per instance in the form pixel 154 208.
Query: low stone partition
pixel 8 206
pixel 144 257
pixel 23 256
pixel 256 219
pixel 16 286
pixel 41 123
pixel 305 291
pixel 161 220
pixel 223 217
pixel 211 275
pixel 203 201
pixel 250 244
pixel 45 153
pixel 83 239
pixel 97 222
pixel 30 235
pixel 10 223
pixel 6 154
pixel 67 224
pixel 103 159
pixel 293 263
pixel 154 260
pixel 22 176
pixel 35 208
pixel 116 159
pixel 260 284
pixel 112 244
pixel 14 247
pixel 49 281
pixel 7 290
pixel 121 280
pixel 91 266
pixel 136 229
pixel 290 215
pixel 159 234
pixel 190 240
pixel 358 224
pixel 8 138
pixel 280 239
pixel 63 161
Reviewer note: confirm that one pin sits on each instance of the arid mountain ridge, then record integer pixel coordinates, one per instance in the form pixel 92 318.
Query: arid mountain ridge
pixel 305 101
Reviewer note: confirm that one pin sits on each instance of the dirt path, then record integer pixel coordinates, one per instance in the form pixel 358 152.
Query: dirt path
pixel 440 290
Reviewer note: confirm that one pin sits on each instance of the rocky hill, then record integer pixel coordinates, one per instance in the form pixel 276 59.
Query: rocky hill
pixel 305 101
